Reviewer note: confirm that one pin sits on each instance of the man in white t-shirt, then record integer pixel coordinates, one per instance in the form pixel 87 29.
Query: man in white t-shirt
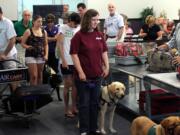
pixel 7 44
pixel 113 25
pixel 7 41
pixel 66 32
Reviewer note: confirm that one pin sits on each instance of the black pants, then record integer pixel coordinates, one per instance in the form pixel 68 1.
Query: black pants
pixel 53 62
pixel 88 104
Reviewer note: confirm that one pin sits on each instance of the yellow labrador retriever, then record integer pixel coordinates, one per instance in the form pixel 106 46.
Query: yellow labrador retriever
pixel 144 126
pixel 110 96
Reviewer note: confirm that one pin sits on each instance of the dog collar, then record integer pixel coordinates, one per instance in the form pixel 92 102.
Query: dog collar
pixel 152 130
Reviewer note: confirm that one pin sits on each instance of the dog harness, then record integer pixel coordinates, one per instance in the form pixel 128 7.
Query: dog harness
pixel 112 101
pixel 152 130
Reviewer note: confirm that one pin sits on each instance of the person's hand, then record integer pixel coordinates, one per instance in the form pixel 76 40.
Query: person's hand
pixel 45 57
pixel 65 65
pixel 143 34
pixel 82 76
pixel 19 39
pixel 176 60
pixel 105 72
pixel 29 48
pixel 2 56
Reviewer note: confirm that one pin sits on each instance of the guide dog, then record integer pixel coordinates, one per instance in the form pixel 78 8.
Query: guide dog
pixel 144 126
pixel 110 96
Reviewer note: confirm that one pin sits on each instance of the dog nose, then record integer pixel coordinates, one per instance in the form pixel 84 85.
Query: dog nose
pixel 122 96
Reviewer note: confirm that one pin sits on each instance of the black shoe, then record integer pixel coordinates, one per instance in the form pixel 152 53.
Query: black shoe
pixel 97 132
pixel 2 111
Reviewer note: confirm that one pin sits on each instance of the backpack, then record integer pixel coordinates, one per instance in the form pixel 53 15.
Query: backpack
pixel 160 61
pixel 128 49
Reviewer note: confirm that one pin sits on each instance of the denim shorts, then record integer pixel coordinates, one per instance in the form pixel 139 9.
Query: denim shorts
pixel 30 60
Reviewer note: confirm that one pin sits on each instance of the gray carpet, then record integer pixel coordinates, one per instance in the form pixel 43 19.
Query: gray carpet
pixel 51 121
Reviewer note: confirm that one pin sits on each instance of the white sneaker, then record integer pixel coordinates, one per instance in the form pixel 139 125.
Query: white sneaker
pixel 84 133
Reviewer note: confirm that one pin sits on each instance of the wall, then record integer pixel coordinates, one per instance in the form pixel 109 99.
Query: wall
pixel 170 6
pixel 10 8
pixel 132 8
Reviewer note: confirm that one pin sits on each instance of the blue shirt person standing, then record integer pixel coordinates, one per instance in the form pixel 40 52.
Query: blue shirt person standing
pixel 52 32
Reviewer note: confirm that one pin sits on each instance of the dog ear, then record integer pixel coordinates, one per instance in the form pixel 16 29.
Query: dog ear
pixel 111 87
pixel 169 121
pixel 123 87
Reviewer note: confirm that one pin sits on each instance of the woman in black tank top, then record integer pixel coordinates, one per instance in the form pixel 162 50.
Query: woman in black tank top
pixel 35 42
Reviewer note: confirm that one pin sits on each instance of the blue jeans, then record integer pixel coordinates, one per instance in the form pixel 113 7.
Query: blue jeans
pixel 88 104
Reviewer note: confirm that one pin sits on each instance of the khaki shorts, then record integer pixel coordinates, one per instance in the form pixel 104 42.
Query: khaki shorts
pixel 10 64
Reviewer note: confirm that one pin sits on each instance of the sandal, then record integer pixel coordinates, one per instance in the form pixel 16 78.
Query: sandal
pixel 69 115
pixel 75 112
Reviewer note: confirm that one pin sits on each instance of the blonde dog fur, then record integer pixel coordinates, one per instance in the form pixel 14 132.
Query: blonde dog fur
pixel 111 94
pixel 142 124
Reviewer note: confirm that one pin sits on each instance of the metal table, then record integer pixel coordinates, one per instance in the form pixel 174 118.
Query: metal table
pixel 166 81
pixel 130 101
pixel 162 80
pixel 137 71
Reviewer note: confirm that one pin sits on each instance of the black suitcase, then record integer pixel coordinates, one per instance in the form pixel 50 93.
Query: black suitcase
pixel 27 99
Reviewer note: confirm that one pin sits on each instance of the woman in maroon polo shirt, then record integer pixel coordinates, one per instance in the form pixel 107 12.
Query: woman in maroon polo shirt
pixel 89 54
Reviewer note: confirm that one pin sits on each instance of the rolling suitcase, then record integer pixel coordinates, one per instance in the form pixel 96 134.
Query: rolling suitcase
pixel 162 102
pixel 27 99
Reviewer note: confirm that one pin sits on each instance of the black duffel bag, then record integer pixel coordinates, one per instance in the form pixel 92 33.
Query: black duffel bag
pixel 27 99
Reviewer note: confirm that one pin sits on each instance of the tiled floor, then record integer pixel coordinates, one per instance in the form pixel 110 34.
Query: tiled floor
pixel 51 121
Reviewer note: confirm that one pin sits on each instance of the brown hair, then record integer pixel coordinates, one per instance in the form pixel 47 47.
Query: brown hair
pixel 36 17
pixel 50 18
pixel 86 20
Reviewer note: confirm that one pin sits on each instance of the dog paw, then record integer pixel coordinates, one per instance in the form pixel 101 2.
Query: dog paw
pixel 103 131
pixel 112 130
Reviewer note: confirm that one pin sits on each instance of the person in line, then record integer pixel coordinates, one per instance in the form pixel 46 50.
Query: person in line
pixel 129 30
pixel 35 42
pixel 89 54
pixel 150 31
pixel 113 25
pixel 52 32
pixel 81 7
pixel 173 43
pixel 7 44
pixel 67 31
pixel 65 13
pixel 20 27
pixel 65 8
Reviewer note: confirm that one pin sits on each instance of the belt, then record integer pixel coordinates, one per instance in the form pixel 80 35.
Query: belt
pixel 111 36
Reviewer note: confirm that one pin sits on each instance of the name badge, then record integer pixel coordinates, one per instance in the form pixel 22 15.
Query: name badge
pixel 98 38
